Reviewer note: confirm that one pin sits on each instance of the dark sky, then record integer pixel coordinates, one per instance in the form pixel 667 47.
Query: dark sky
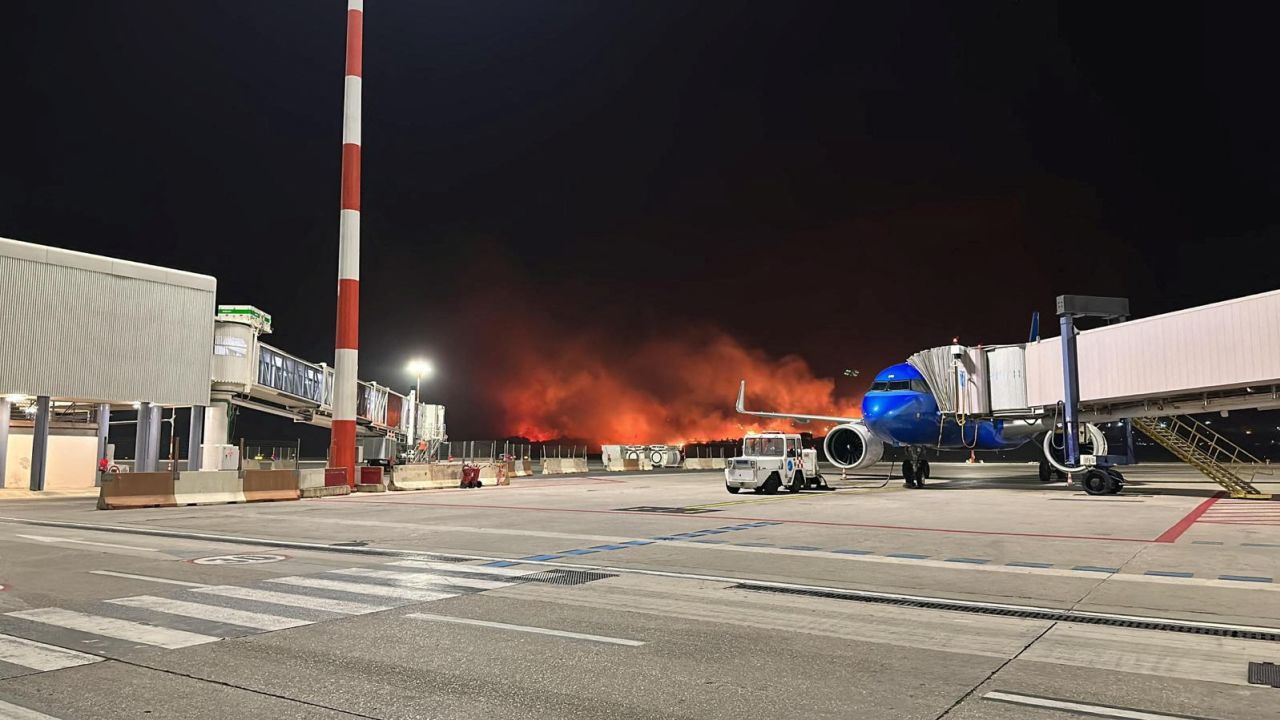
pixel 847 181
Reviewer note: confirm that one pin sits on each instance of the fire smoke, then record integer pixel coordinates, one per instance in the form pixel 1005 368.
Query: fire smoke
pixel 666 390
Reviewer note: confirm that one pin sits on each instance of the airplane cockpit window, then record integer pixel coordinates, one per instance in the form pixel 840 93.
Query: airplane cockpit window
pixel 921 386
pixel 880 386
pixel 900 385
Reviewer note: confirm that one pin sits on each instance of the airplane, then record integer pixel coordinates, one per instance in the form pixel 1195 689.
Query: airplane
pixel 900 410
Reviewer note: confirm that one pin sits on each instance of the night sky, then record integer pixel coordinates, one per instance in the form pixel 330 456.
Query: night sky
pixel 608 194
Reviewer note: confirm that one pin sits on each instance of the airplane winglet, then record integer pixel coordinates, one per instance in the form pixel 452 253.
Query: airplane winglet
pixel 742 397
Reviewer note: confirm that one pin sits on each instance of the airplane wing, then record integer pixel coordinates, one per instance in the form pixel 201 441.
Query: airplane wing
pixel 741 408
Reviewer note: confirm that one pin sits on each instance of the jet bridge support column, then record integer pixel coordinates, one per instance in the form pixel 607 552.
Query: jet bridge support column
pixel 1070 392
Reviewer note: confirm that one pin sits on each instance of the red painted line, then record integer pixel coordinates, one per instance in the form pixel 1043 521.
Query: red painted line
pixel 355 42
pixel 702 517
pixel 350 176
pixel 1175 532
pixel 348 337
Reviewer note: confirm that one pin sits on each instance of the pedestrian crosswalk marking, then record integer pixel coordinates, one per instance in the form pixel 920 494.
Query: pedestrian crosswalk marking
pixel 215 613
pixel 114 628
pixel 308 602
pixel 39 656
pixel 364 588
pixel 480 569
pixel 412 579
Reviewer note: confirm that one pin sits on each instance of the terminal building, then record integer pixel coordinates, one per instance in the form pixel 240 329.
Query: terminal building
pixel 83 337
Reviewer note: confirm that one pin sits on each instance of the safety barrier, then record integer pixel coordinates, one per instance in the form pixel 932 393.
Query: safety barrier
pixel 266 485
pixel 208 487
pixel 426 476
pixel 563 466
pixel 371 480
pixel 136 490
pixel 312 482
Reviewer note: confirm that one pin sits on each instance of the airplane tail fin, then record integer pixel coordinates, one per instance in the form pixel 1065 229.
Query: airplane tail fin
pixel 1035 327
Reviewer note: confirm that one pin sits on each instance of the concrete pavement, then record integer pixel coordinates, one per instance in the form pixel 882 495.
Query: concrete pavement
pixel 114 622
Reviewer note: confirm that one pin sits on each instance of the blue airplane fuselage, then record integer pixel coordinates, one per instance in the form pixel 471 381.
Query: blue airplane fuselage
pixel 901 410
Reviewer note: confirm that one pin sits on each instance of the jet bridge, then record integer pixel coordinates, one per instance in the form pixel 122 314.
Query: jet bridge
pixel 250 373
pixel 1218 357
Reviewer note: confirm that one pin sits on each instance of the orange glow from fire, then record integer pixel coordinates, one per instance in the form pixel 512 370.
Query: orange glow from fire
pixel 657 391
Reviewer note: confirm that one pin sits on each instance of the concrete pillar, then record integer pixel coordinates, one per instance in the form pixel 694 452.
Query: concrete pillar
pixel 217 427
pixel 5 409
pixel 40 443
pixel 153 439
pixel 140 453
pixel 195 437
pixel 104 426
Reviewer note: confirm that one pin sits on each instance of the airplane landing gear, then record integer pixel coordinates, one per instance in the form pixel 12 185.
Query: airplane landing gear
pixel 915 469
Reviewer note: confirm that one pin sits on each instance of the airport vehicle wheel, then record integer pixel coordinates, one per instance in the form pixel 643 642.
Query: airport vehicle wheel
pixel 797 483
pixel 1115 482
pixel 732 490
pixel 1097 482
pixel 1046 471
pixel 908 473
pixel 922 471
pixel 772 484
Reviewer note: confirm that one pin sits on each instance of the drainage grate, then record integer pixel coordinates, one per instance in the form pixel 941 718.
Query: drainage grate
pixel 1264 673
pixel 1027 613
pixel 566 577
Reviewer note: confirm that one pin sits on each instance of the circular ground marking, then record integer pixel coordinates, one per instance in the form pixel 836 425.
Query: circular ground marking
pixel 239 559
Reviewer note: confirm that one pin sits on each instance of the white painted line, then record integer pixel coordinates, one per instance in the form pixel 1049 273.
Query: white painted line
pixel 148 578
pixel 430 528
pixel 47 539
pixel 425 579
pixel 1068 706
pixel 244 618
pixel 525 628
pixel 459 567
pixel 9 711
pixel 39 656
pixel 114 628
pixel 365 588
pixel 308 602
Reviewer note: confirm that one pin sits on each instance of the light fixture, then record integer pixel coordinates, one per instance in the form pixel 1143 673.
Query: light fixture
pixel 420 368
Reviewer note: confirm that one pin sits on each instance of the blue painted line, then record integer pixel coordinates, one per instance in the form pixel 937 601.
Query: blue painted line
pixel 712 540
pixel 1204 542
pixel 666 537
pixel 755 544
pixel 1245 578
pixel 1169 573
pixel 608 547
pixel 712 532
pixel 580 551
pixel 909 556
pixel 1260 545
pixel 687 534
pixel 800 547
pixel 636 543
pixel 852 552
pixel 500 563
pixel 733 527
pixel 1095 568
pixel 1029 564
pixel 974 561
pixel 542 557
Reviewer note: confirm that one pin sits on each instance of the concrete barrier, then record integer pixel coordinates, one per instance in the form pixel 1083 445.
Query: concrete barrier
pixel 136 490
pixel 426 476
pixel 311 483
pixel 370 479
pixel 719 463
pixel 265 485
pixel 519 468
pixel 208 487
pixel 551 466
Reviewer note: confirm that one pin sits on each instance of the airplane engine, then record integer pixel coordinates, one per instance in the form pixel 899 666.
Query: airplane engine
pixel 852 447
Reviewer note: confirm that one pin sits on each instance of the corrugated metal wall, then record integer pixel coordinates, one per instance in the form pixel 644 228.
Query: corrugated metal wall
pixel 1228 344
pixel 83 327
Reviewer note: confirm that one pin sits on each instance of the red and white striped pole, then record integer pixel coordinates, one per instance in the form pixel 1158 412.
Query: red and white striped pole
pixel 342 440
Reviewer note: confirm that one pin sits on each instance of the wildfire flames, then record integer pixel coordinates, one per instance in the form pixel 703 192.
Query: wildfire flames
pixel 662 390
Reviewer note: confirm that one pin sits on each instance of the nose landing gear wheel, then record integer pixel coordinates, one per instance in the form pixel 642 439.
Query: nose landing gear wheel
pixel 908 474
pixel 922 472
